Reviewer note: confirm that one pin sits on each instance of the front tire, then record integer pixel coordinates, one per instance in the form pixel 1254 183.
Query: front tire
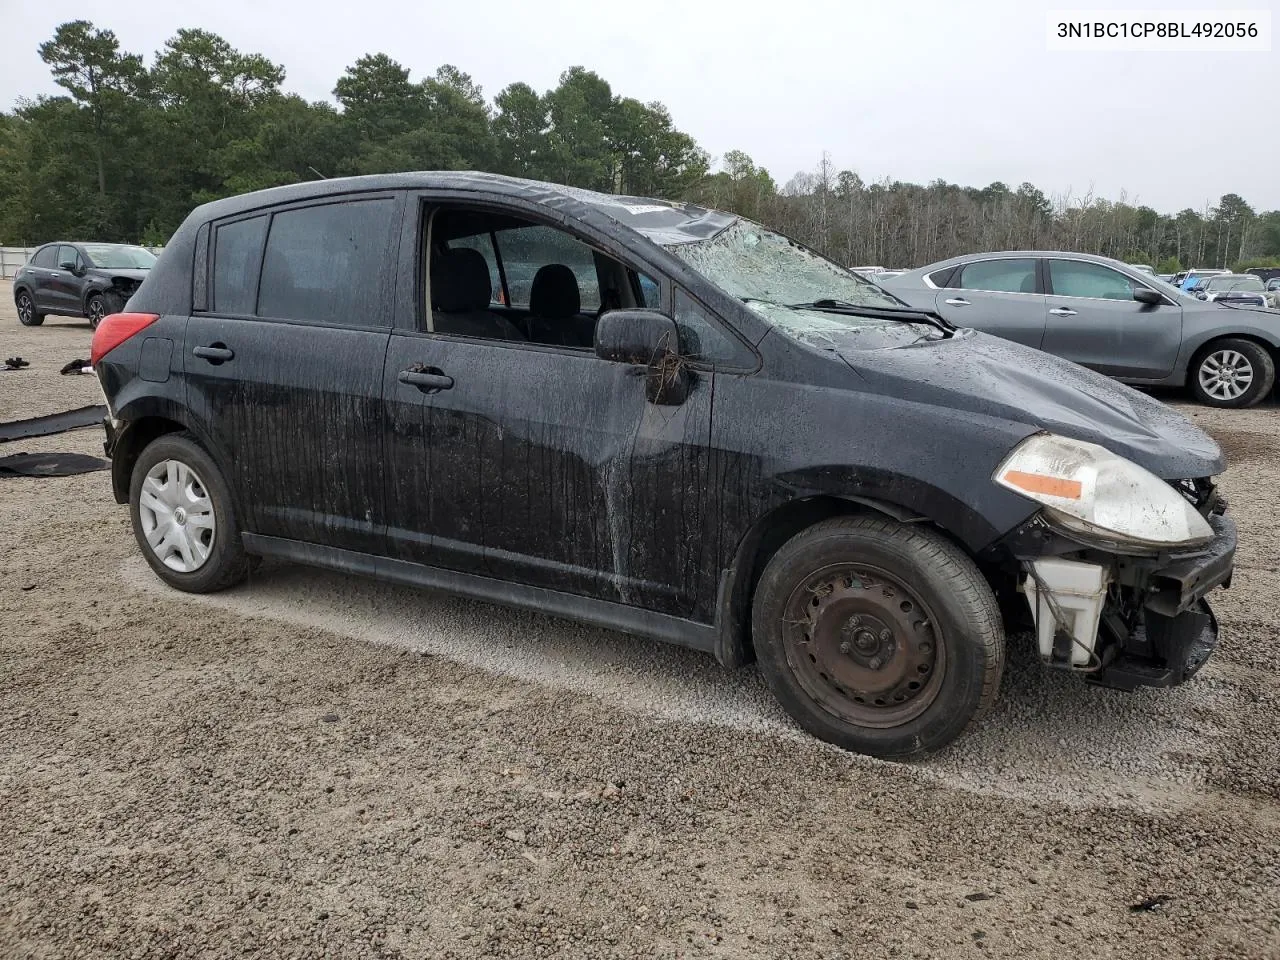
pixel 27 315
pixel 102 305
pixel 880 637
pixel 1233 373
pixel 183 516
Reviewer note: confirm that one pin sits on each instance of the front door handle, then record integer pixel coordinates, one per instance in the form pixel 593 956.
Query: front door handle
pixel 426 379
pixel 214 353
pixel 957 302
pixel 1062 312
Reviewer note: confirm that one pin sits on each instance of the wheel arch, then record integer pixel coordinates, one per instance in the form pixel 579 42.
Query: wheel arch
pixel 763 539
pixel 141 429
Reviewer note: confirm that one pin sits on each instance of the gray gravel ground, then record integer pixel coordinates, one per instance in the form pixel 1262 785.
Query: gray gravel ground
pixel 314 765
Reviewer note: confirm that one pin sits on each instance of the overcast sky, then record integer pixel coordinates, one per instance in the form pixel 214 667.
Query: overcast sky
pixel 910 89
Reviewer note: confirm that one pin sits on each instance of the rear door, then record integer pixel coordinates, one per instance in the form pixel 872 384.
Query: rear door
pixel 1094 321
pixel 1002 296
pixel 284 365
pixel 43 270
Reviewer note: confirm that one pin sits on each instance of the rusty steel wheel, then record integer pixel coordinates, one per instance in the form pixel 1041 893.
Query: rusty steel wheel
pixel 864 646
pixel 878 636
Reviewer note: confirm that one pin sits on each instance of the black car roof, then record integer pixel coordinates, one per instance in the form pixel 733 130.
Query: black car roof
pixel 661 221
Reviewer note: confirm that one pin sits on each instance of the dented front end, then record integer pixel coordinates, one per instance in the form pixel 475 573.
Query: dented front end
pixel 1123 619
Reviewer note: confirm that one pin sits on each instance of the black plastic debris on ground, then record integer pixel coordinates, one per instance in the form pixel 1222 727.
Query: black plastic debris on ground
pixel 76 367
pixel 1149 904
pixel 15 363
pixel 49 464
pixel 53 423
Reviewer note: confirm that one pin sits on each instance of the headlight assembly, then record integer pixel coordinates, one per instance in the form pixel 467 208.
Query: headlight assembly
pixel 1100 496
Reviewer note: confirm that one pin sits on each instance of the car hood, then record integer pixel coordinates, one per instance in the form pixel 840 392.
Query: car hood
pixel 127 272
pixel 985 375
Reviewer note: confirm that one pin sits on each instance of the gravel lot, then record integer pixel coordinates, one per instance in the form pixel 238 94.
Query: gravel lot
pixel 316 765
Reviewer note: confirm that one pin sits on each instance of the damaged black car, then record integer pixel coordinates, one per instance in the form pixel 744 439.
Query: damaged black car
pixel 89 280
pixel 660 419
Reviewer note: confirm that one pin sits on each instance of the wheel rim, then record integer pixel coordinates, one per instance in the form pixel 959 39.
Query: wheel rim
pixel 177 515
pixel 96 311
pixel 25 310
pixel 863 645
pixel 1226 375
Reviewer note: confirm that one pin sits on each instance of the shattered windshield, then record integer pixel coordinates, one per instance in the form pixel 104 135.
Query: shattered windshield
pixel 112 256
pixel 753 263
pixel 786 283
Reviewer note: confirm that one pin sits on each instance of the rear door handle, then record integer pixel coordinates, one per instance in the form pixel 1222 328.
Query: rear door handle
pixel 427 379
pixel 957 302
pixel 1062 312
pixel 214 353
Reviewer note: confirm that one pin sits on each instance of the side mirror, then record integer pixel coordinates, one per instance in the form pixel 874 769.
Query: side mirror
pixel 67 265
pixel 1201 295
pixel 650 339
pixel 1147 295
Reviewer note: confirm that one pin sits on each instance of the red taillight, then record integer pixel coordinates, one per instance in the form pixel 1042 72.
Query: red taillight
pixel 115 330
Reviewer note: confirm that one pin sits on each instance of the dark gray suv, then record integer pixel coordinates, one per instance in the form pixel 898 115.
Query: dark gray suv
pixel 88 280
pixel 1105 315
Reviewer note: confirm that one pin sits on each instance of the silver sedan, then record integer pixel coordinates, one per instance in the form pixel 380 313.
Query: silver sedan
pixel 1105 315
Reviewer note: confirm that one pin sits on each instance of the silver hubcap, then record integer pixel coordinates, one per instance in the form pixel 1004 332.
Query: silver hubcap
pixel 24 309
pixel 177 516
pixel 1226 375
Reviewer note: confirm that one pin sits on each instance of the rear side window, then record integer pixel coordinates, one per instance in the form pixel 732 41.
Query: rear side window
pixel 237 252
pixel 325 264
pixel 942 278
pixel 45 257
pixel 1075 278
pixel 999 276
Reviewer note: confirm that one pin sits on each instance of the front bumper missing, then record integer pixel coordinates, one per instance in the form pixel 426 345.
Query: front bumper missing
pixel 1155 627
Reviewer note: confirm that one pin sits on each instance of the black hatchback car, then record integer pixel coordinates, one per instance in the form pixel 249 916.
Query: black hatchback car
pixel 683 426
pixel 79 280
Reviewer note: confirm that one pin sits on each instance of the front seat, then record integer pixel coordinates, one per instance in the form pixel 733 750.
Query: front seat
pixel 554 305
pixel 460 295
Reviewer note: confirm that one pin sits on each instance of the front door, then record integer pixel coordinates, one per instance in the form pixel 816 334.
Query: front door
pixel 1094 321
pixel 533 461
pixel 285 375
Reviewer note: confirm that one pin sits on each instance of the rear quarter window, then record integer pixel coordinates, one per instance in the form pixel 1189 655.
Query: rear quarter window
pixel 237 253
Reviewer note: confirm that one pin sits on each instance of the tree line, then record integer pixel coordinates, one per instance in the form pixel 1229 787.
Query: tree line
pixel 130 148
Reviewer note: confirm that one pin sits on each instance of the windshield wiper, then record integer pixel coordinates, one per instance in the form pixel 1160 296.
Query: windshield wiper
pixel 901 314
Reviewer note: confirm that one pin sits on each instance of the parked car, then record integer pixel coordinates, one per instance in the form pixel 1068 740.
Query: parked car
pixel 1107 316
pixel 747 449
pixel 1239 289
pixel 1194 277
pixel 88 280
pixel 1266 274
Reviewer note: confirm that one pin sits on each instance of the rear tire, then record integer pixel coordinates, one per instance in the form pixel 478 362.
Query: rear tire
pixel 877 636
pixel 1218 376
pixel 184 518
pixel 27 315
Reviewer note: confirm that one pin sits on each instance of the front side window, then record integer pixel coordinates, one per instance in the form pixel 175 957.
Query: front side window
pixel 1076 278
pixel 237 253
pixel 526 250
pixel 704 340
pixel 999 276
pixel 71 255
pixel 325 264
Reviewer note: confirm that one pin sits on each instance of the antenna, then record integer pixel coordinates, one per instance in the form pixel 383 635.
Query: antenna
pixel 316 172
